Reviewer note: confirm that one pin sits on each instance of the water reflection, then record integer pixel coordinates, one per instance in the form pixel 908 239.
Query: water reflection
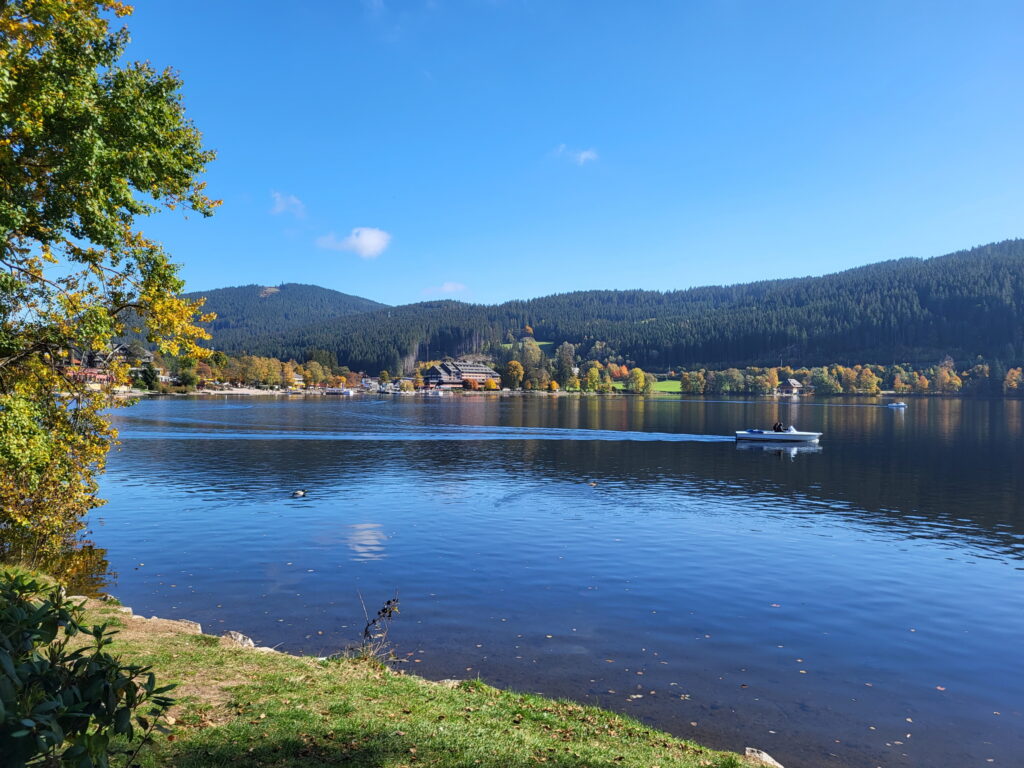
pixel 941 468
pixel 789 451
pixel 534 539
pixel 81 567
pixel 366 540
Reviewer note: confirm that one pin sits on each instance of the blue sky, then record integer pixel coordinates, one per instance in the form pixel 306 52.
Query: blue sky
pixel 487 151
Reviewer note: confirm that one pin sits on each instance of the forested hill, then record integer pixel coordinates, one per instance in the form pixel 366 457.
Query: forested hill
pixel 964 304
pixel 251 313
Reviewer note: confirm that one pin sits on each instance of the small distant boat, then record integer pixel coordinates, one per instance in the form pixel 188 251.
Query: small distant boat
pixel 791 435
pixel 900 404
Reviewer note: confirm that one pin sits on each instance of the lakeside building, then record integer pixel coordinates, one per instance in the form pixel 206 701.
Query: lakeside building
pixel 453 374
pixel 92 366
pixel 791 386
pixel 89 376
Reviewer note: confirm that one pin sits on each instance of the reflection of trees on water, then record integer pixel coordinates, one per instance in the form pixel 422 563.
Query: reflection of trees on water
pixel 82 568
pixel 938 471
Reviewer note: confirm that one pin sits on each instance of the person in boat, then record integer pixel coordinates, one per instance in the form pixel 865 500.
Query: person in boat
pixel 777 427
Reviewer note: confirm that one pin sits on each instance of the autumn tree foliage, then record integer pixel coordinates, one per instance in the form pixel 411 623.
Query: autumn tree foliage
pixel 89 144
pixel 636 381
pixel 692 382
pixel 592 377
pixel 825 383
pixel 514 373
pixel 867 382
pixel 946 379
pixel 943 378
pixel 1013 383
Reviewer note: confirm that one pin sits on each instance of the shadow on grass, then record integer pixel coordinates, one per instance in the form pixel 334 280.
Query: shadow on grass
pixel 372 749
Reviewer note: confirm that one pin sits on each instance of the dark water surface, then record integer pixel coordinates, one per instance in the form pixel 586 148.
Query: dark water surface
pixel 857 605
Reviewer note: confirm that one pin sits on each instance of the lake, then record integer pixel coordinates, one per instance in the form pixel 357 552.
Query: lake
pixel 859 604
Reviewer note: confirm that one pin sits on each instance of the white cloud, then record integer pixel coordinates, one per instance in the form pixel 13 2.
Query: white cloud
pixel 445 287
pixel 367 242
pixel 578 156
pixel 288 204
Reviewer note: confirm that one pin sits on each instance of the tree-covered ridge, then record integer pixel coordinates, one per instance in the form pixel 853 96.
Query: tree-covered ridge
pixel 963 304
pixel 248 313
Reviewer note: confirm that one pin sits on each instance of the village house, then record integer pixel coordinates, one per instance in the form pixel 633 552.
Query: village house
pixel 453 374
pixel 92 377
pixel 93 366
pixel 793 387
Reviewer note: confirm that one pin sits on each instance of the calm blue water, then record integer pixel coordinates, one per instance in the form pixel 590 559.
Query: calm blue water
pixel 857 605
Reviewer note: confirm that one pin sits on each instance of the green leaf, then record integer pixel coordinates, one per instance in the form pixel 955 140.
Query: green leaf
pixel 8 665
pixel 122 720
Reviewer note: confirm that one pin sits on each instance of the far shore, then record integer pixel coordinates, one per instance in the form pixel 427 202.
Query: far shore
pixel 257 392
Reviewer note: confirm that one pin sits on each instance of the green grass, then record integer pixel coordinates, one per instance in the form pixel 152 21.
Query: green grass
pixel 239 707
pixel 670 386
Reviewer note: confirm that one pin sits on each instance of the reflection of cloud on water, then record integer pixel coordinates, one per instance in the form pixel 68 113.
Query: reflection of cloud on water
pixel 366 540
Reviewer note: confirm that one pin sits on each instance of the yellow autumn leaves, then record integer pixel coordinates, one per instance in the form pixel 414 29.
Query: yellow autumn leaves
pixel 76 274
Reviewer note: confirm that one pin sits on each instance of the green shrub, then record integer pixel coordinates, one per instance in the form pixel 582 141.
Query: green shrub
pixel 63 698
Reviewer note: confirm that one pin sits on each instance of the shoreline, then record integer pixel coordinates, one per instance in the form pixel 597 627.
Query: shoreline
pixel 882 396
pixel 227 685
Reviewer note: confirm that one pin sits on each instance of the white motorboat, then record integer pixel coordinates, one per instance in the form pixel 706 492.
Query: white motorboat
pixel 791 435
pixel 900 404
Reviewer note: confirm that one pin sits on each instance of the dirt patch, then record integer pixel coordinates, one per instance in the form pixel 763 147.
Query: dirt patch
pixel 203 686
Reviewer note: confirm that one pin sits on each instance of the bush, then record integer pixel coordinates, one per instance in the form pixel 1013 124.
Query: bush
pixel 63 697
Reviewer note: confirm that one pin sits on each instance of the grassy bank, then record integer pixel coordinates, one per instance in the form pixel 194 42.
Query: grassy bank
pixel 239 706
pixel 669 386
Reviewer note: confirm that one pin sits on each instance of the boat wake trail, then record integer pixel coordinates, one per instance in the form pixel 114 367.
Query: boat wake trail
pixel 446 433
